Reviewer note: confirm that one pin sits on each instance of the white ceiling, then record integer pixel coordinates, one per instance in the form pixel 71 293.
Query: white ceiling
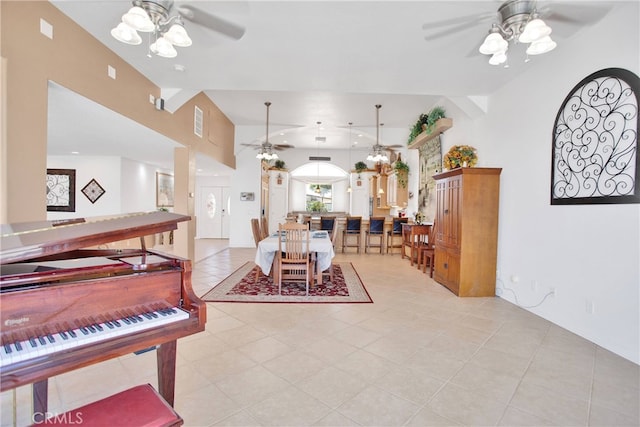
pixel 332 61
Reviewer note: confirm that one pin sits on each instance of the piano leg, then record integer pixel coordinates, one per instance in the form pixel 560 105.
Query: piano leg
pixel 167 370
pixel 40 394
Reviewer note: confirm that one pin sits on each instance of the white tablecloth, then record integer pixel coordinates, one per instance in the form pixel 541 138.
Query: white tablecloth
pixel 268 247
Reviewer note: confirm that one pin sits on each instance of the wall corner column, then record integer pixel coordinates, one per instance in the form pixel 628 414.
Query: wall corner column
pixel 184 170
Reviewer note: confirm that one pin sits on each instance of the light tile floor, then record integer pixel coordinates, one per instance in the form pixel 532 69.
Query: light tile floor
pixel 417 356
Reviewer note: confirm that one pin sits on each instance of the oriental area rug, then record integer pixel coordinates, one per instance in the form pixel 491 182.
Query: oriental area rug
pixel 241 286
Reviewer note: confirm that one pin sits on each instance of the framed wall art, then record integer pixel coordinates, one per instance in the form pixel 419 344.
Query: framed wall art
pixel 61 190
pixel 93 191
pixel 164 190
pixel 595 141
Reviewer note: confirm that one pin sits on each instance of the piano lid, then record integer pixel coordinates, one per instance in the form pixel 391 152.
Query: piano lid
pixel 29 240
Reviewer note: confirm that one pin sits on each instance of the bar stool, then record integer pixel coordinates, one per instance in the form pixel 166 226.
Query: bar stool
pixel 326 224
pixel 352 228
pixel 396 231
pixel 376 229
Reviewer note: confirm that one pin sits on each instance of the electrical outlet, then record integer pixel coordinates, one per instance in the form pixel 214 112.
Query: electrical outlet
pixel 552 291
pixel 152 99
pixel 534 285
pixel 514 278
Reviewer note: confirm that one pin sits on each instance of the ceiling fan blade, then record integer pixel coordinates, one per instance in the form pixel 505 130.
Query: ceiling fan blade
pixel 572 13
pixel 451 30
pixel 460 20
pixel 281 147
pixel 255 146
pixel 222 26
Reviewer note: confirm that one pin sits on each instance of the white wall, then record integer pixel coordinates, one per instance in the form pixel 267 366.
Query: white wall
pixel 138 186
pixel 105 170
pixel 587 252
pixel 129 185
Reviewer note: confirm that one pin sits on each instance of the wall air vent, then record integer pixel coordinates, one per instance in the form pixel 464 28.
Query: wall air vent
pixel 320 158
pixel 321 139
pixel 197 122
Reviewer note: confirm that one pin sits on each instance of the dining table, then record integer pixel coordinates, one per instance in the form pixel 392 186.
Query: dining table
pixel 319 244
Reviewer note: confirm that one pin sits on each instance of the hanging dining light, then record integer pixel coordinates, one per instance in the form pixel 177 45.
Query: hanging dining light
pixel 349 189
pixel 317 189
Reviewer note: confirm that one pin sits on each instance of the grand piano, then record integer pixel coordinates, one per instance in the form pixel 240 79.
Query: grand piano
pixel 67 302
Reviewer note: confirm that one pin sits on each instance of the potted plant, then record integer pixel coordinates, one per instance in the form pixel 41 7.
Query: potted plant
pixel 279 164
pixel 418 127
pixel 426 122
pixel 460 156
pixel 402 172
pixel 435 114
pixel 360 167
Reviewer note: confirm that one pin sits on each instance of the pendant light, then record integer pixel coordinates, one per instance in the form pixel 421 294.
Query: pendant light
pixel 317 190
pixel 349 189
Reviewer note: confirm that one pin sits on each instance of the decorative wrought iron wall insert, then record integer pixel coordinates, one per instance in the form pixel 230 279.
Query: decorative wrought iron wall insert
pixel 595 141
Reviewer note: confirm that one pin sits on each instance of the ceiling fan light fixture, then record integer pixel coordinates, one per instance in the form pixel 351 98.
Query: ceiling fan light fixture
pixel 162 47
pixel 518 22
pixel 541 46
pixel 177 35
pixel 493 44
pixel 138 19
pixel 126 34
pixel 535 30
pixel 498 58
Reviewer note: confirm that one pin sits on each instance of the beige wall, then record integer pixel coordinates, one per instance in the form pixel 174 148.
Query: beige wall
pixel 76 60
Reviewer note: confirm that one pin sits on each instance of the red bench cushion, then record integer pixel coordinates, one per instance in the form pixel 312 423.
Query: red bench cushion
pixel 136 407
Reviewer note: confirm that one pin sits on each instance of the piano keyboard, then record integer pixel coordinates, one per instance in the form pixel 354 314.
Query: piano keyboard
pixel 88 333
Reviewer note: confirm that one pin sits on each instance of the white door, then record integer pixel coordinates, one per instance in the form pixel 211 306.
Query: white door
pixel 213 213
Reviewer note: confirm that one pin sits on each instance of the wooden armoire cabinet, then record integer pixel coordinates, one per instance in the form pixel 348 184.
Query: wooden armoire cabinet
pixel 466 225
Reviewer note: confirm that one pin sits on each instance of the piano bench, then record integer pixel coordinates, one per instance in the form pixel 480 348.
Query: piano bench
pixel 138 406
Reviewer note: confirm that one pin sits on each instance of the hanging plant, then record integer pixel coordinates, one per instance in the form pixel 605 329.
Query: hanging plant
pixel 402 172
pixel 279 164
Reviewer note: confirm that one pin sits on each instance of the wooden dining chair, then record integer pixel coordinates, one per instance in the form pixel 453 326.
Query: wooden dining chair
pixel 264 227
pixel 332 236
pixel 294 260
pixel 257 236
pixel 427 254
pixel 414 236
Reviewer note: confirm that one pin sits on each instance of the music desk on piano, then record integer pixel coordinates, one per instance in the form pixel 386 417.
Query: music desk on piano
pixel 66 305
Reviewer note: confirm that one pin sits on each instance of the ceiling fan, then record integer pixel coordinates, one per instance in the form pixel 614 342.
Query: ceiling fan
pixel 377 150
pixel 155 16
pixel 512 17
pixel 266 148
